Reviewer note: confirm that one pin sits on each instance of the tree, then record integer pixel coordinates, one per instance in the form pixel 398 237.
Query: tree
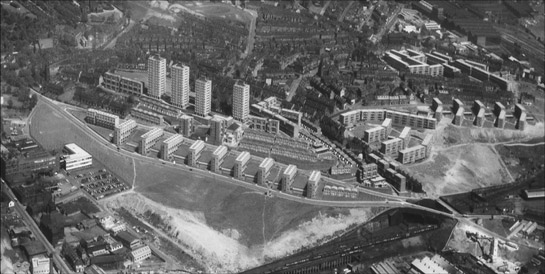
pixel 10 103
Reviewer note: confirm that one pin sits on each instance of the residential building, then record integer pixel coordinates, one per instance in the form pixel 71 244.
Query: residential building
pixel 411 120
pixel 147 116
pixel 123 131
pixel 157 76
pixel 217 130
pixel 241 101
pixel 203 96
pixel 233 135
pixel 405 135
pixel 264 170
pixel 264 124
pixel 412 154
pixel 71 256
pixel 122 84
pixel 312 184
pixel 240 164
pixel 427 142
pixel 369 171
pixel 149 139
pixel 170 145
pixel 375 134
pixel 180 85
pixel 354 116
pixel 387 125
pixel 195 151
pixel 391 147
pixel 186 125
pixel 217 158
pixel 140 254
pixel 288 177
pixel 520 115
pixel 478 110
pixel 75 157
pixel 101 118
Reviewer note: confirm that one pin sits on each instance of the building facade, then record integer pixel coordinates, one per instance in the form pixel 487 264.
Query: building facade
pixel 240 164
pixel 241 101
pixel 149 139
pixel 180 85
pixel 101 118
pixel 203 96
pixel 123 131
pixel 195 151
pixel 170 145
pixel 157 76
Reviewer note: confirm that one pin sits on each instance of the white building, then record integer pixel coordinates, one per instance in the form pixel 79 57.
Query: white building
pixel 180 85
pixel 141 253
pixel 203 96
pixel 75 157
pixel 41 265
pixel 157 76
pixel 241 101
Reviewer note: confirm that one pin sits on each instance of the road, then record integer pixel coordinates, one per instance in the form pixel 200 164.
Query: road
pixel 251 34
pixel 58 107
pixel 112 42
pixel 343 14
pixel 57 260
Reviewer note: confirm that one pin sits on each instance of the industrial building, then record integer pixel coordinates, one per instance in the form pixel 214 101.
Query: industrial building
pixel 313 183
pixel 195 151
pixel 122 84
pixel 180 85
pixel 101 118
pixel 413 62
pixel 288 177
pixel 157 76
pixel 140 254
pixel 40 264
pixel 217 158
pixel 186 125
pixel 26 156
pixel 170 145
pixel 241 101
pixel 264 170
pixel 147 116
pixel 240 164
pixel 74 157
pixel 149 139
pixel 203 96
pixel 375 134
pixel 391 147
pixel 123 131
pixel 412 154
pixel 426 265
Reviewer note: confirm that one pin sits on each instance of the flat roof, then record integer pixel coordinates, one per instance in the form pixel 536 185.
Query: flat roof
pixel 374 129
pixel 291 169
pixel 315 175
pixel 387 122
pixel 126 122
pixel 221 150
pixel 152 132
pixel 499 104
pixel 411 149
pixel 267 163
pixel 243 157
pixel 391 141
pixel 76 151
pixel 405 132
pixel 427 139
pixel 174 139
pixel 197 145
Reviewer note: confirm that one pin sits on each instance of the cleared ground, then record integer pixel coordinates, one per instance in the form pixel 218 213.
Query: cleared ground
pixel 230 226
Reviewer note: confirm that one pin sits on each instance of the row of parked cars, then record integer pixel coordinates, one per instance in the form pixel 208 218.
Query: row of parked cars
pixel 101 183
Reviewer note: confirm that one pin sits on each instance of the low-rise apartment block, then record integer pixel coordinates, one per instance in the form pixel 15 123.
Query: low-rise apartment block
pixel 123 131
pixel 217 158
pixel 102 119
pixel 391 147
pixel 264 170
pixel 122 84
pixel 313 183
pixel 195 151
pixel 288 177
pixel 170 145
pixel 147 116
pixel 412 154
pixel 149 139
pixel 375 134
pixel 240 164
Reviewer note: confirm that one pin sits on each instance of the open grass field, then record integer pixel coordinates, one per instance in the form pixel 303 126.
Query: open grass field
pixel 230 226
